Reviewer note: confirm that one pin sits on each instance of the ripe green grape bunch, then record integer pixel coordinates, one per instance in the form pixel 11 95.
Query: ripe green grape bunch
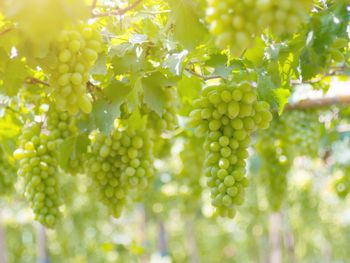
pixel 227 116
pixel 273 148
pixel 38 167
pixel 69 63
pixel 189 177
pixel 63 126
pixel 234 23
pixel 305 133
pixel 7 174
pixel 282 16
pixel 119 163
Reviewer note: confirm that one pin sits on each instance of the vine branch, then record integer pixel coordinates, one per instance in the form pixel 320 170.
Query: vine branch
pixel 319 102
pixel 117 12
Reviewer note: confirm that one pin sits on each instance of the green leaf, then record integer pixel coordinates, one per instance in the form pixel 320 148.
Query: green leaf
pixel 137 39
pixel 64 151
pixel 117 91
pixel 100 66
pixel 120 50
pixel 154 96
pixel 13 76
pixel 265 89
pixel 174 62
pixel 281 96
pixel 219 63
pixel 189 89
pixel 188 29
pixel 103 115
pixel 310 63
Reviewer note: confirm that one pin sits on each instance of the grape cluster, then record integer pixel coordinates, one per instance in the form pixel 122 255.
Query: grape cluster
pixel 227 116
pixel 38 167
pixel 234 23
pixel 192 158
pixel 69 62
pixel 282 16
pixel 61 126
pixel 7 175
pixel 119 163
pixel 305 132
pixel 273 148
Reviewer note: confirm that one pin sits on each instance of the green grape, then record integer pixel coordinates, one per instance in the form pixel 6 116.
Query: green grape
pixel 68 63
pixel 227 139
pixel 282 16
pixel 305 133
pixel 192 158
pixel 276 155
pixel 63 126
pixel 234 23
pixel 7 174
pixel 38 167
pixel 120 163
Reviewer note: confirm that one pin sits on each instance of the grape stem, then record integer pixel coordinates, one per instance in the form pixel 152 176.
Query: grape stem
pixel 9 29
pixel 117 12
pixel 33 81
pixel 202 76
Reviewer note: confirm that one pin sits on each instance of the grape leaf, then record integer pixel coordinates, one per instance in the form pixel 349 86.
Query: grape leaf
pixel 219 63
pixel 188 29
pixel 153 93
pixel 174 62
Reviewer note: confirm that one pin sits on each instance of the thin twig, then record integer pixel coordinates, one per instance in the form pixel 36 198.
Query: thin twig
pixel 120 11
pixel 93 6
pixel 9 29
pixel 33 81
pixel 203 77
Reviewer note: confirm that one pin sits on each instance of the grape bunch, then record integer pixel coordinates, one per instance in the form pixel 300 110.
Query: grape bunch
pixel 273 148
pixel 305 132
pixel 189 177
pixel 282 16
pixel 69 61
pixel 38 167
pixel 234 23
pixel 119 163
pixel 227 116
pixel 62 126
pixel 7 174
